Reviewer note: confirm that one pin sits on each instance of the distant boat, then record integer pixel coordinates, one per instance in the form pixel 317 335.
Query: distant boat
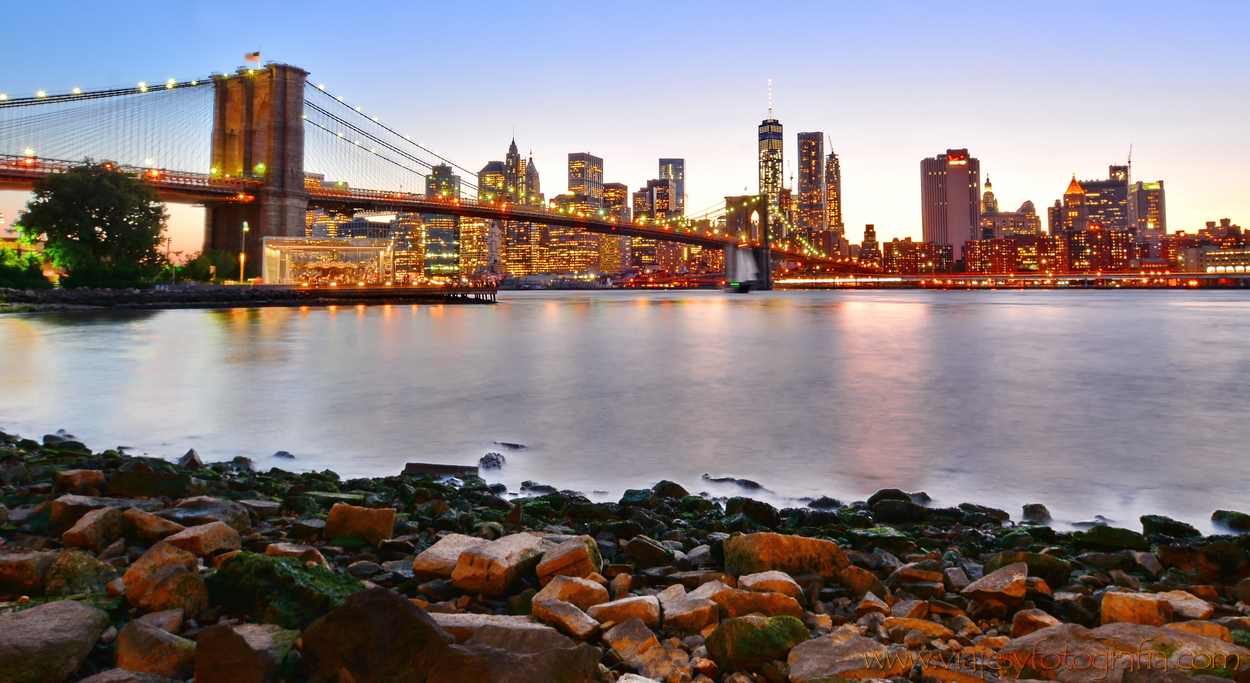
pixel 746 271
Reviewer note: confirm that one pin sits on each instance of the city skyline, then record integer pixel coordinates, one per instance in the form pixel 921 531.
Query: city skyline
pixel 1178 107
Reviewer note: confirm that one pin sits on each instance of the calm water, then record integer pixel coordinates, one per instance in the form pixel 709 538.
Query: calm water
pixel 1113 403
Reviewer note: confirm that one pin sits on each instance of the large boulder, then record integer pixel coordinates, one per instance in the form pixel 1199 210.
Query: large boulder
pixel 464 625
pixel 147 649
pixel 1007 585
pixel 374 525
pixel 375 636
pixel 142 576
pixel 174 587
pixel 68 509
pixel 148 528
pixel 137 484
pixel 747 643
pixel 205 539
pixel 839 657
pixel 1109 538
pixel 76 573
pixel 439 560
pixel 492 656
pixel 247 653
pixel 279 590
pixel 576 557
pixel 491 567
pixel 1053 570
pixel 95 530
pixel 206 510
pixel 46 644
pixel 766 551
pixel 25 573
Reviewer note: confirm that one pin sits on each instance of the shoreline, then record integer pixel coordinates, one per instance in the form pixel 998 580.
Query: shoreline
pixel 222 296
pixel 123 547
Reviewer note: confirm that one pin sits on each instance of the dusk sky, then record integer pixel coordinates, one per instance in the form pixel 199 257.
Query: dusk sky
pixel 1036 91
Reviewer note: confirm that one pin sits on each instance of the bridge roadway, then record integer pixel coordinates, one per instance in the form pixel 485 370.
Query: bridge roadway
pixel 19 173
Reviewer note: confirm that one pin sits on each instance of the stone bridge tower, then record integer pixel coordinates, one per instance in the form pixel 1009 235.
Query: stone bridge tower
pixel 258 133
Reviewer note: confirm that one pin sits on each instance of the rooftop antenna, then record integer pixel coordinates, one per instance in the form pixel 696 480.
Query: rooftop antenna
pixel 770 98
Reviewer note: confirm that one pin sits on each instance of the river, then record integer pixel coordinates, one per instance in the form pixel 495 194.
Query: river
pixel 1092 402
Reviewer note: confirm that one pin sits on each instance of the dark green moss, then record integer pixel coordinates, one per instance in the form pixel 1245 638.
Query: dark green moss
pixel 278 590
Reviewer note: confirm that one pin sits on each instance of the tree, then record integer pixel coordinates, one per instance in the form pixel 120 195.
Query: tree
pixel 200 266
pixel 100 225
pixel 22 270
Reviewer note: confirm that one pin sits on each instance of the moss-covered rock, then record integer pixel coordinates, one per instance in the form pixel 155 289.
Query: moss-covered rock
pixel 1053 570
pixel 747 643
pixel 278 590
pixel 1232 519
pixel 642 498
pixel 1110 538
pixel 1166 526
pixel 76 573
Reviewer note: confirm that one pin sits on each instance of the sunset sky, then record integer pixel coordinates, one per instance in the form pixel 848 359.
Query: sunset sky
pixel 1036 91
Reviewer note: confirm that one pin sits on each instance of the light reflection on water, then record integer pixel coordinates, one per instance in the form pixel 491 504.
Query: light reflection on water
pixel 1113 403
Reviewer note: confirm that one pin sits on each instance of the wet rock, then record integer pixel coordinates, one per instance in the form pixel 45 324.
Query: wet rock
pixel 1036 513
pixel 491 567
pixel 24 573
pixel 1166 526
pixel 278 590
pixel 80 482
pixel 766 551
pixel 1219 562
pixel 303 553
pixel 247 653
pixel 670 489
pixel 348 521
pixel 644 607
pixel 1109 538
pixel 649 553
pixel 284 454
pixel 373 637
pixel 137 484
pixel 482 663
pixel 465 625
pixel 871 604
pixel 190 460
pixel 439 560
pixel 842 657
pixel 68 509
pixel 577 557
pixel 643 498
pixel 141 577
pixel 1231 519
pixel 1053 570
pixel 146 649
pixel 46 644
pixel 206 510
pixel 263 509
pixel 76 573
pixel 1027 621
pixel 747 643
pixel 685 613
pixel 206 539
pixel 492 461
pixel 825 503
pixel 147 527
pixel 861 581
pixel 928 628
pixel 169 621
pixel 1006 585
pixel 95 530
pixel 736 603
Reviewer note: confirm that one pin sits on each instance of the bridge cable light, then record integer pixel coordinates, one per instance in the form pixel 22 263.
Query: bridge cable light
pixel 41 93
pixel 143 87
pixel 76 91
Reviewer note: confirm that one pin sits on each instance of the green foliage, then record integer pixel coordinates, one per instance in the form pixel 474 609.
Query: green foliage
pixel 22 270
pixel 199 267
pixel 100 225
pixel 278 590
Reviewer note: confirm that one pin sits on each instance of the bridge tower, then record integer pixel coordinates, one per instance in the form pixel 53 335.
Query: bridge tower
pixel 258 133
pixel 744 207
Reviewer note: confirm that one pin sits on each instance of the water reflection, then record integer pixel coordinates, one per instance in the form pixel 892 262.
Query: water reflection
pixel 1114 403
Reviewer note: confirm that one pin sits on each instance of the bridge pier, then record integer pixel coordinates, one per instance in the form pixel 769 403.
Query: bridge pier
pixel 258 133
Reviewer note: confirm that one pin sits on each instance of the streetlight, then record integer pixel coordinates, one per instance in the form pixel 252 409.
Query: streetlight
pixel 242 250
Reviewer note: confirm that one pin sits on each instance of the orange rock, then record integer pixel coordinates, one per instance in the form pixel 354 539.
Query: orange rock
pixel 491 567
pixel 303 553
pixel 80 482
pixel 1027 621
pixel 147 527
pixel 1135 608
pixel 141 577
pixel 95 530
pixel 206 539
pixel 576 557
pixel 146 649
pixel 176 588
pixel 1007 585
pixel 1204 628
pixel 349 521
pixel 765 551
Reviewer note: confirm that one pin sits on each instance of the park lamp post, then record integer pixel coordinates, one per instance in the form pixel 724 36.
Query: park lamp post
pixel 242 250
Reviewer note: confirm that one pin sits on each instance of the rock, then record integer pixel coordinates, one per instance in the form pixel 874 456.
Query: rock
pixel 303 553
pixel 1054 570
pixel 1148 563
pixel 566 616
pixel 95 530
pixel 644 607
pixel 1006 585
pixel 25 573
pixel 766 551
pixel 247 653
pixel 582 593
pixel 685 613
pixel 284 454
pixel 888 494
pixel 861 581
pixel 1027 621
pixel 1231 519
pixel 649 553
pixel 630 639
pixel 771 582
pixel 169 621
pixel 263 509
pixel 576 557
pixel 491 567
pixel 137 484
pixel 747 643
pixel 146 649
pixel 46 644
pixel 1186 606
pixel 643 498
pixel 870 604
pixel 80 482
pixel 68 509
pixel 1109 538
pixel 76 573
pixel 206 539
pixel 141 577
pixel 1219 562
pixel 174 587
pixel 348 521
pixel 929 628
pixel 374 636
pixel 191 460
pixel 825 503
pixel 910 609
pixel 439 560
pixel 481 663
pixel 124 676
pixel 205 510
pixel 147 527
pixel 465 625
pixel 1036 513
pixel 669 489
pixel 491 461
pixel 838 657
pixel 736 603
pixel 278 590
pixel 1203 628
pixel 1166 526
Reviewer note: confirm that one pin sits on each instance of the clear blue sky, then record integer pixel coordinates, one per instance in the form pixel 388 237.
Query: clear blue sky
pixel 1036 91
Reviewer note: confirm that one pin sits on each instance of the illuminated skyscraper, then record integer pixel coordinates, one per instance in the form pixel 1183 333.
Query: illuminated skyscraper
pixel 474 246
pixel 950 200
pixel 614 252
pixel 675 170
pixel 492 181
pixel 870 250
pixel 408 235
pixel 616 202
pixel 811 204
pixel 586 178
pixel 771 170
pixel 1146 209
pixel 442 233
pixel 833 194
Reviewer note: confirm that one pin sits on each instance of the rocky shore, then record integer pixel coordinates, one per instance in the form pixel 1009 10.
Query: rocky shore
pixel 121 569
pixel 211 296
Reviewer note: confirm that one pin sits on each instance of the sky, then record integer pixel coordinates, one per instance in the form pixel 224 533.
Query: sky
pixel 1036 91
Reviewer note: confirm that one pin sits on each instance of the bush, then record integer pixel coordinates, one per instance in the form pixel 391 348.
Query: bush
pixel 22 270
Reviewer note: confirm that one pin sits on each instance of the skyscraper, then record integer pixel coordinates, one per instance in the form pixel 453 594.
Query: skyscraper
pixel 771 165
pixel 1106 201
pixel 870 250
pixel 586 178
pixel 675 170
pixel 950 199
pixel 811 207
pixel 1146 209
pixel 833 194
pixel 442 233
pixel 614 251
